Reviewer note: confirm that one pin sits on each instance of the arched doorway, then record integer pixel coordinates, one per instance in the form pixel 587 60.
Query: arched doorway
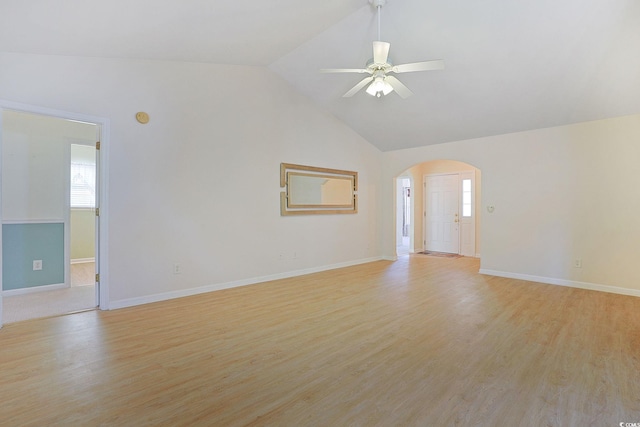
pixel 445 207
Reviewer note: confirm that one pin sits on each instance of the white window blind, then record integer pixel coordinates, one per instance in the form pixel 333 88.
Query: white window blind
pixel 83 185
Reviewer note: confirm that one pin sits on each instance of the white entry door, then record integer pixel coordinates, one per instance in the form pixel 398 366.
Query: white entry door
pixel 442 216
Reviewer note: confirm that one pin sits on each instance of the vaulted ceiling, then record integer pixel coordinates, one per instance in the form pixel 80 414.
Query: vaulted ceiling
pixel 510 66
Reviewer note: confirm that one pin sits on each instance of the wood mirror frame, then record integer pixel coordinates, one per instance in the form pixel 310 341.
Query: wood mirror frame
pixel 310 190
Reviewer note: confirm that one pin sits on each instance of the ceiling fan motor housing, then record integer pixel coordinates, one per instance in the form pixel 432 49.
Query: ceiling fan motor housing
pixel 378 82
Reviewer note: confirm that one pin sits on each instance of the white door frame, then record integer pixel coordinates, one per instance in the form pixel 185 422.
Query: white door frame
pixel 68 208
pixel 471 223
pixel 102 200
pixel 1 256
pixel 468 224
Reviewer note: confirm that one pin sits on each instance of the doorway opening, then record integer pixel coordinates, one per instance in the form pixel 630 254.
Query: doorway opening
pixel 50 185
pixel 404 216
pixel 82 216
pixel 449 220
pixel 445 214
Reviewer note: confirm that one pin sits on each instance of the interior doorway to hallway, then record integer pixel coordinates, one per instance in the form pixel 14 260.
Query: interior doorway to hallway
pixel 444 208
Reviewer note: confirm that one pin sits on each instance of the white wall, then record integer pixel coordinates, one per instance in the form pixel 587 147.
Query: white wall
pixel 82 241
pixel 560 194
pixel 34 164
pixel 199 184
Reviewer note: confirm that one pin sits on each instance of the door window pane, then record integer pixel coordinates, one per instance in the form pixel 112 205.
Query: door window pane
pixel 466 198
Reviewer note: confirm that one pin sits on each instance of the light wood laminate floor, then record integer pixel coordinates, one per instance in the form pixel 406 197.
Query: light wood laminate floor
pixel 422 341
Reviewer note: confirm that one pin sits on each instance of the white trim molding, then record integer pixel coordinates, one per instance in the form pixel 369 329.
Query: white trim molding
pixel 563 282
pixel 31 221
pixel 82 260
pixel 130 302
pixel 33 289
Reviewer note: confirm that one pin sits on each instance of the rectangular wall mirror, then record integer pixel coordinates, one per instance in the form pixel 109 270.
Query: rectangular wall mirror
pixel 311 190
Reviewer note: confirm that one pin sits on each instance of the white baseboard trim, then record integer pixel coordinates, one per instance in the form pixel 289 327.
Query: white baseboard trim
pixel 82 260
pixel 33 289
pixel 563 282
pixel 130 302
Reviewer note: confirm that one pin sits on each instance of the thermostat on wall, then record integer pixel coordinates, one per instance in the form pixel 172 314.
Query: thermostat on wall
pixel 142 117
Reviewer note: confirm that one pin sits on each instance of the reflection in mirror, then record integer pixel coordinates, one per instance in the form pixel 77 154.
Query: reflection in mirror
pixel 312 190
pixel 307 190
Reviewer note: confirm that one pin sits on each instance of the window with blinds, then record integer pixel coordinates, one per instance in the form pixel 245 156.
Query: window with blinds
pixel 83 185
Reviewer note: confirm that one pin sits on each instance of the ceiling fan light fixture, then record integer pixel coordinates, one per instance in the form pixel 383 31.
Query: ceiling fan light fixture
pixel 379 83
pixel 375 86
pixel 387 89
pixel 379 87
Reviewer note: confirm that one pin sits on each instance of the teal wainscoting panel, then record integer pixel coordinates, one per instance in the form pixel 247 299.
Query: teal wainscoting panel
pixel 24 243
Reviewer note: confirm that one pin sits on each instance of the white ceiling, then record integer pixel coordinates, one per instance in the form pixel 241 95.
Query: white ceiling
pixel 510 65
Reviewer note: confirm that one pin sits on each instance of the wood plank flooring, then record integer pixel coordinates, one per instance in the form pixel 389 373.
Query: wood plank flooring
pixel 419 342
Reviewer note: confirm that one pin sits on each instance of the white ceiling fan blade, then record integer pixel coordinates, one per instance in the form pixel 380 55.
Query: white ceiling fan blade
pixel 437 64
pixel 380 52
pixel 357 87
pixel 397 85
pixel 343 70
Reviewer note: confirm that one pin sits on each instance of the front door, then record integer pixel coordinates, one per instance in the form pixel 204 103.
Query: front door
pixel 442 217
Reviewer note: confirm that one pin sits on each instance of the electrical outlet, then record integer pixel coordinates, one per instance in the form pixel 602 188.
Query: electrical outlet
pixel 577 263
pixel 177 269
pixel 37 264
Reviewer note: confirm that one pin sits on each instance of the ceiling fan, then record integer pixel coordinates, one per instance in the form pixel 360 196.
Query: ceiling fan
pixel 378 68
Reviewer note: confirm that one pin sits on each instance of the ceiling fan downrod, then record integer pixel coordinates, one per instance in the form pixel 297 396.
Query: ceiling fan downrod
pixel 378 5
pixel 379 82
